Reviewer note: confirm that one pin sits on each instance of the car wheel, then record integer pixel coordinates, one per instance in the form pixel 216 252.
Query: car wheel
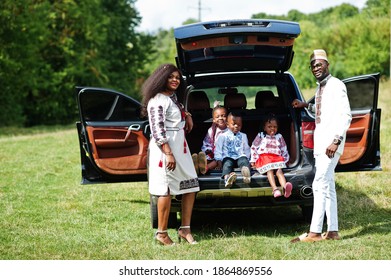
pixel 307 212
pixel 172 218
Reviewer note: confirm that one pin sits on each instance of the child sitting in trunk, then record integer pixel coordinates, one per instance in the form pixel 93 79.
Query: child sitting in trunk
pixel 269 154
pixel 204 160
pixel 232 150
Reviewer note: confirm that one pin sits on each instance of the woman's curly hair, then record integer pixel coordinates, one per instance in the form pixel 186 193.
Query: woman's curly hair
pixel 157 83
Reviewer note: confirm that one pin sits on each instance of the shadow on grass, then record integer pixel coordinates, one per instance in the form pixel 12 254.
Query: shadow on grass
pixel 358 213
pixel 137 201
pixel 266 222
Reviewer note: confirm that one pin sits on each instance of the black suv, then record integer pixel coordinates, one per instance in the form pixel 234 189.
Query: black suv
pixel 243 64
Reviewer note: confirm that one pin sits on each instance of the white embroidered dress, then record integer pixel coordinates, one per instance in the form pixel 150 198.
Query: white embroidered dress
pixel 167 126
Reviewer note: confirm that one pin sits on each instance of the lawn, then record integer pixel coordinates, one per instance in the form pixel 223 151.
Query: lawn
pixel 47 215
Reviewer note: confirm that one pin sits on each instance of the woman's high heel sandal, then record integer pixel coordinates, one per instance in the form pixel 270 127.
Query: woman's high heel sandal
pixel 164 240
pixel 187 237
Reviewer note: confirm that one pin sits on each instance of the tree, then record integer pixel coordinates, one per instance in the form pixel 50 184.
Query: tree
pixel 377 8
pixel 295 15
pixel 22 35
pixel 49 47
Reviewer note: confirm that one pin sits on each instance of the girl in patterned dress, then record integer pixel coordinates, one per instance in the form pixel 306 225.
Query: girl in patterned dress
pixel 204 160
pixel 269 154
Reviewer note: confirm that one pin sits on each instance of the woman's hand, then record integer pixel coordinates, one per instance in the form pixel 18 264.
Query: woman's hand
pixel 170 162
pixel 170 159
pixel 188 123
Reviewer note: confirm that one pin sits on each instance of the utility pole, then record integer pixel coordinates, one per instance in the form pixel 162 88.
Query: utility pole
pixel 200 10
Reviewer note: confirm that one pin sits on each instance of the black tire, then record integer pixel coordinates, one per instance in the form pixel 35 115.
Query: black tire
pixel 172 218
pixel 306 211
pixel 153 208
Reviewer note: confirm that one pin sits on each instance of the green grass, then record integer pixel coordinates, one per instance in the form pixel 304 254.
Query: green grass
pixel 46 213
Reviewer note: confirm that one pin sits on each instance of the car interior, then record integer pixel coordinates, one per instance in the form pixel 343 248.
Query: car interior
pixel 253 110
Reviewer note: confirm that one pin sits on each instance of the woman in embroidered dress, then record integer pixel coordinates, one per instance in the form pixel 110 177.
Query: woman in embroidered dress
pixel 170 166
pixel 269 154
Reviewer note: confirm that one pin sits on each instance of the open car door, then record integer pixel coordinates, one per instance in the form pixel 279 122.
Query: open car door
pixel 113 138
pixel 362 147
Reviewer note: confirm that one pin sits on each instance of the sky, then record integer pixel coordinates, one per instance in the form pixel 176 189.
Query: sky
pixel 172 13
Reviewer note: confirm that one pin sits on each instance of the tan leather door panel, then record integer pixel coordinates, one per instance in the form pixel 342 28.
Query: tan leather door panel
pixel 356 139
pixel 116 155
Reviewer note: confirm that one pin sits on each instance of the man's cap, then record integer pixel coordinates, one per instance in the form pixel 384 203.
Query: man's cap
pixel 318 54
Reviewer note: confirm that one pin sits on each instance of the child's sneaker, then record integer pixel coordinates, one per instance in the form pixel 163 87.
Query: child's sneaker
pixel 276 193
pixel 288 189
pixel 246 174
pixel 202 163
pixel 230 179
pixel 195 162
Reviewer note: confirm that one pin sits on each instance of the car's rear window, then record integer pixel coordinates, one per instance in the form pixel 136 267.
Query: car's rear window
pixel 250 93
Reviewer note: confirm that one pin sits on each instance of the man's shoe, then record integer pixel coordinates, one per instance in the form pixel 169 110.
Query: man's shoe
pixel 331 235
pixel 305 237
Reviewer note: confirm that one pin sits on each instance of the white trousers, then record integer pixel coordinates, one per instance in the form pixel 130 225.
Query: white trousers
pixel 325 195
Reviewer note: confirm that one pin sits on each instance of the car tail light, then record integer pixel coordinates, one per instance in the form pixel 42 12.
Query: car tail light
pixel 307 129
